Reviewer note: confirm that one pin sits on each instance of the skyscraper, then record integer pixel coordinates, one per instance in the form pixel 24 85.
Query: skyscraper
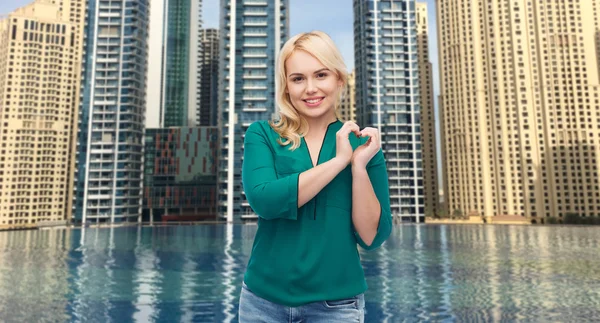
pixel 252 32
pixel 111 120
pixel 430 174
pixel 40 55
pixel 207 109
pixel 387 95
pixel 520 108
pixel 174 63
pixel 348 105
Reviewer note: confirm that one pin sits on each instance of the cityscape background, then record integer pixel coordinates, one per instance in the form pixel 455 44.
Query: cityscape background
pixel 135 110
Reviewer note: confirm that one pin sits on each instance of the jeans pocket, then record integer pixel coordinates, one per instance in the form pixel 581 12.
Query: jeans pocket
pixel 342 303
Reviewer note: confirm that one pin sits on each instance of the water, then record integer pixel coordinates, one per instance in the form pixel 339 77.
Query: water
pixel 194 273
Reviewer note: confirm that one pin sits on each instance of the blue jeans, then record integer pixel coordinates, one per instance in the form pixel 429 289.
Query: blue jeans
pixel 256 309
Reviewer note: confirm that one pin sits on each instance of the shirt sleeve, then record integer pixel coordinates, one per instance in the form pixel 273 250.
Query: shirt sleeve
pixel 379 180
pixel 270 197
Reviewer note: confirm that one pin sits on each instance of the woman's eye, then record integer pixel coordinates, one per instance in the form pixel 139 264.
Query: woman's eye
pixel 297 79
pixel 321 75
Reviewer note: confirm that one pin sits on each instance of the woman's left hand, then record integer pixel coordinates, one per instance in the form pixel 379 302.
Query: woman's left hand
pixel 363 154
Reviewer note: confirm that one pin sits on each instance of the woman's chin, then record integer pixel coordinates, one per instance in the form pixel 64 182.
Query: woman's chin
pixel 314 113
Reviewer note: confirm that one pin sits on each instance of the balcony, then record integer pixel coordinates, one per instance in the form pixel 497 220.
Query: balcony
pixel 252 88
pixel 255 3
pixel 255 34
pixel 254 98
pixel 255 13
pixel 261 66
pixel 249 216
pixel 255 24
pixel 257 55
pixel 263 109
pixel 254 77
pixel 255 45
pixel 99 197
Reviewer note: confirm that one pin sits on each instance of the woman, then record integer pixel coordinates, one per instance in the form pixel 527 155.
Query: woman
pixel 319 187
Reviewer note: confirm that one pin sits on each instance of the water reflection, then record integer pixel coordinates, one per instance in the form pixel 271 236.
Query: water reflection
pixel 194 274
pixel 33 275
pixel 228 273
pixel 146 275
pixel 445 307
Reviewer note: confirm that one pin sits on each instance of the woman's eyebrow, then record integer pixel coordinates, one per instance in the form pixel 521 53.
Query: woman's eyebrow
pixel 315 72
pixel 321 70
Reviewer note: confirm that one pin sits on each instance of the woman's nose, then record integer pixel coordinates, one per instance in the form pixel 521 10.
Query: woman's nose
pixel 310 86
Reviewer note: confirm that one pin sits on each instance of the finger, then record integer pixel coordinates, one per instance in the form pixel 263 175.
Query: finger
pixel 350 127
pixel 368 131
pixel 376 137
pixel 353 127
pixel 373 134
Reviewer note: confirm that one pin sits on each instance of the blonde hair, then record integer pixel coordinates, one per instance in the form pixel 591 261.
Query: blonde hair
pixel 292 126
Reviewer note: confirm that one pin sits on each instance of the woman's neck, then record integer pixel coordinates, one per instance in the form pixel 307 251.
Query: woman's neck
pixel 317 127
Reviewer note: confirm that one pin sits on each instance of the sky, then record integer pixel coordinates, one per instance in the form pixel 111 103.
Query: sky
pixel 335 17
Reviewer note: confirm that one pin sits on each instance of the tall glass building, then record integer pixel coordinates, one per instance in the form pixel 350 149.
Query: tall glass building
pixel 387 95
pixel 252 32
pixel 111 119
pixel 180 62
pixel 209 78
pixel 174 63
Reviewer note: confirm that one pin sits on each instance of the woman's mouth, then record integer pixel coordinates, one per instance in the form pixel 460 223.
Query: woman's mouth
pixel 314 102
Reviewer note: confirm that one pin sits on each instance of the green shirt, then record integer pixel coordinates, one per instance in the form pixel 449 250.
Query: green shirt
pixel 307 254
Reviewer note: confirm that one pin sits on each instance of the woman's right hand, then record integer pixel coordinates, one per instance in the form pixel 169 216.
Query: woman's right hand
pixel 343 149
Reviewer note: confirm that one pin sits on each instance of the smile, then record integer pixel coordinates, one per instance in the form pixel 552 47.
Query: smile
pixel 314 102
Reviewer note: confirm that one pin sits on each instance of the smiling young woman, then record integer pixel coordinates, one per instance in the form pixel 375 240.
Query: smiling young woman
pixel 319 187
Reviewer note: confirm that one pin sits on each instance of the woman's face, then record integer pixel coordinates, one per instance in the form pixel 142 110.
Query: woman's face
pixel 313 89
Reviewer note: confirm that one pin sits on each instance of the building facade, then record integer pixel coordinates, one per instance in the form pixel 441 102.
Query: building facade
pixel 252 33
pixel 348 104
pixel 388 97
pixel 181 58
pixel 111 117
pixel 519 107
pixel 428 131
pixel 40 59
pixel 208 108
pixel 174 63
pixel 180 174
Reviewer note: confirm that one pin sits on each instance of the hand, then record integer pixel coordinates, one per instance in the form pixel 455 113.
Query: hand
pixel 363 154
pixel 343 149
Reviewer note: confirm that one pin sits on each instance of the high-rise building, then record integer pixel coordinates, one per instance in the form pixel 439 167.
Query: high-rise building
pixel 111 117
pixel 595 6
pixel 387 95
pixel 519 107
pixel 348 106
pixel 430 174
pixel 40 61
pixel 180 174
pixel 252 33
pixel 207 109
pixel 174 63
